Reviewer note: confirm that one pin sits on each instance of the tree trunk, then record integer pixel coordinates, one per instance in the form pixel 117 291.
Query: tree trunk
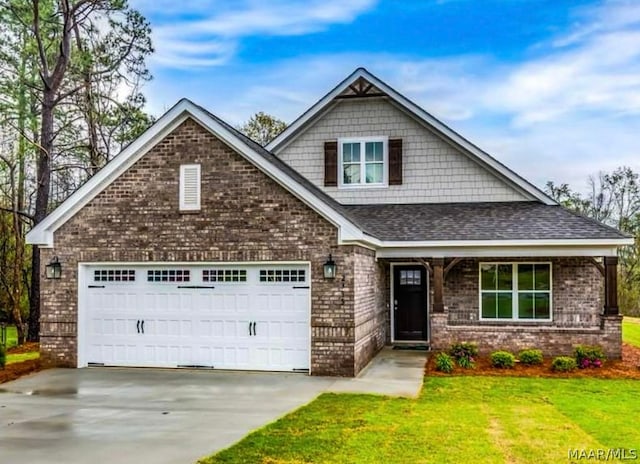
pixel 43 176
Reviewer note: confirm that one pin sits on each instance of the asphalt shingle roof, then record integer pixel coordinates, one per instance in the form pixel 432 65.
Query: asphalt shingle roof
pixel 477 221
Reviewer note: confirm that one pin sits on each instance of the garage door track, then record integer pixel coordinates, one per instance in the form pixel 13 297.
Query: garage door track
pixel 80 416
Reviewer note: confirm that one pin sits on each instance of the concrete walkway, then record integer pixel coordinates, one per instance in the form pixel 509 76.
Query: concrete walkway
pixel 166 416
pixel 392 372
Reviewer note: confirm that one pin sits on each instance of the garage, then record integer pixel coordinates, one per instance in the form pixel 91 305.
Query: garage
pixel 232 316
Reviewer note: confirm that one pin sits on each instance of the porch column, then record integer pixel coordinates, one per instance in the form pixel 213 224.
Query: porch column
pixel 611 285
pixel 438 285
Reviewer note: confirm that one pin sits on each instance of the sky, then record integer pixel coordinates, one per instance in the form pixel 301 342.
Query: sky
pixel 550 88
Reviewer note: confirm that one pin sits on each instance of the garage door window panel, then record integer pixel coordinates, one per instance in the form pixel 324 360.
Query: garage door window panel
pixel 224 275
pixel 114 275
pixel 282 275
pixel 169 275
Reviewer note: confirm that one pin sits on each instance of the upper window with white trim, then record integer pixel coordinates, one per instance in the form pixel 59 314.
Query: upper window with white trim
pixel 363 161
pixel 190 187
pixel 515 291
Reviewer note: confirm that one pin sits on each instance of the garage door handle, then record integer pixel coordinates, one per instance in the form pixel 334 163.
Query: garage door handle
pixel 250 329
pixel 196 286
pixel 138 326
pixel 142 326
pixel 301 287
pixel 96 286
pixel 254 329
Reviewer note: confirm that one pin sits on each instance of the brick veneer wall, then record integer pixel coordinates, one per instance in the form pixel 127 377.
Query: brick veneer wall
pixel 245 216
pixel 577 288
pixel 370 317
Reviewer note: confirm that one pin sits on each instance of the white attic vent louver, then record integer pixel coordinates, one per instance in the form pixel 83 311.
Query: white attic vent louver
pixel 190 187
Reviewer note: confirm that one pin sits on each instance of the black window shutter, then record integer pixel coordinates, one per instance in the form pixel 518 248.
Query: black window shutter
pixel 331 164
pixel 395 161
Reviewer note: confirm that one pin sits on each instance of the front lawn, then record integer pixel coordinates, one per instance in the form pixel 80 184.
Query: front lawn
pixel 456 419
pixel 631 330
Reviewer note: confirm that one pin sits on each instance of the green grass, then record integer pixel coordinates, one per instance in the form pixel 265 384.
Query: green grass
pixel 12 336
pixel 456 419
pixel 16 358
pixel 631 330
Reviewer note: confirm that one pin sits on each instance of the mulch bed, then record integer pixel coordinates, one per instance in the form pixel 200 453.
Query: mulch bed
pixel 16 370
pixel 627 368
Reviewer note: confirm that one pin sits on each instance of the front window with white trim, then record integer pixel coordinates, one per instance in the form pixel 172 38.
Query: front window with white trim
pixel 363 161
pixel 515 291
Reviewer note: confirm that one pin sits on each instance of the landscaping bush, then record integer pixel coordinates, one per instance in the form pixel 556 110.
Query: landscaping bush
pixel 464 353
pixel 444 363
pixel 530 357
pixel 563 364
pixel 589 356
pixel 503 359
pixel 3 357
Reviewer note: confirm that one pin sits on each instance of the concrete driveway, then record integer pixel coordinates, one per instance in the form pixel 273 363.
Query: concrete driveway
pixel 101 415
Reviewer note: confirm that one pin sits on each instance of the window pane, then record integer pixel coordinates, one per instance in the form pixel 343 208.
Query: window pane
pixel 543 306
pixel 351 174
pixel 505 305
pixel 543 274
pixel 351 152
pixel 373 151
pixel 504 277
pixel 488 276
pixel 488 305
pixel 525 277
pixel 374 174
pixel 525 305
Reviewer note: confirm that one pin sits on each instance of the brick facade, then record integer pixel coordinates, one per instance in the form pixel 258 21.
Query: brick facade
pixel 577 301
pixel 245 216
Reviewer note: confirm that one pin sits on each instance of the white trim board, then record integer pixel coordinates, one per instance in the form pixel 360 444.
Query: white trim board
pixel 474 152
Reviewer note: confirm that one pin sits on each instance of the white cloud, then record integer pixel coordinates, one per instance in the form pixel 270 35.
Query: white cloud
pixel 209 36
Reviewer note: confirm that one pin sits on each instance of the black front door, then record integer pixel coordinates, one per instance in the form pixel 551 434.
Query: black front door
pixel 410 302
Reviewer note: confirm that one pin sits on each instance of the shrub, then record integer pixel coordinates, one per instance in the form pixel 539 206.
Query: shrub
pixel 464 353
pixel 502 359
pixel 563 364
pixel 3 357
pixel 530 357
pixel 589 356
pixel 444 363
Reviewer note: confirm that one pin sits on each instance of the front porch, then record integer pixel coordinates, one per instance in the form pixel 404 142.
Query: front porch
pixel 439 301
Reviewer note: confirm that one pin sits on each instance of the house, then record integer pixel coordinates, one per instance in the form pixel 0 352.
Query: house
pixel 198 247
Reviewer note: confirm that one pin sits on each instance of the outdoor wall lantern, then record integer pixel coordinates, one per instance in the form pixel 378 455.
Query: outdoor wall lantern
pixel 330 268
pixel 53 270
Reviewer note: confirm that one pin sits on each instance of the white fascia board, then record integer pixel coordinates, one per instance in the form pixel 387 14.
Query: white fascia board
pixel 42 234
pixel 507 243
pixel 419 113
pixel 496 251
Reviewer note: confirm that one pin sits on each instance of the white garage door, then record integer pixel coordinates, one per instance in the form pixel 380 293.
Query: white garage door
pixel 225 317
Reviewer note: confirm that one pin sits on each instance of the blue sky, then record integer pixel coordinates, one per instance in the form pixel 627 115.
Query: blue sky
pixel 550 88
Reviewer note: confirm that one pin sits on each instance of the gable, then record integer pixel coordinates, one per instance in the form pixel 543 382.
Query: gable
pixel 243 211
pixel 43 234
pixel 434 170
pixel 362 84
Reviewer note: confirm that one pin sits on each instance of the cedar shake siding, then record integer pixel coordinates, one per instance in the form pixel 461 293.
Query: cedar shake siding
pixel 433 171
pixel 244 216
